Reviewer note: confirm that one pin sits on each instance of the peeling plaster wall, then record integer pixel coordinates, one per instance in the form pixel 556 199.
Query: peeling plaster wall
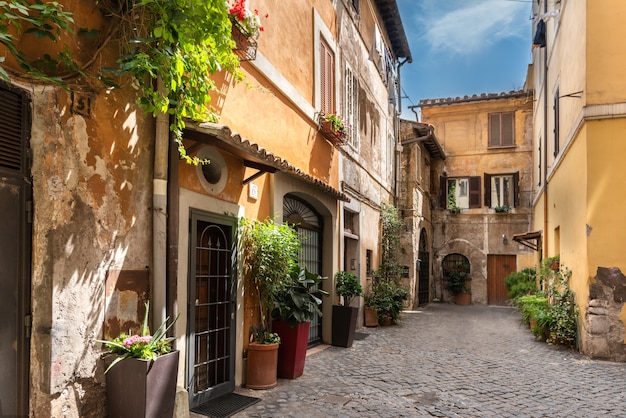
pixel 92 192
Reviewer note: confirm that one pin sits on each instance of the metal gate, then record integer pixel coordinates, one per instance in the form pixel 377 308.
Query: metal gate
pixel 308 223
pixel 423 284
pixel 15 250
pixel 212 297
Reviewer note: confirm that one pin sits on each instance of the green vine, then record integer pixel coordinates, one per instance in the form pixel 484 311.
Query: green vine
pixel 42 20
pixel 158 43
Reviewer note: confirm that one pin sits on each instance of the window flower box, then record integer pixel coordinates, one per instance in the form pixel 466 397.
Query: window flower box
pixel 333 128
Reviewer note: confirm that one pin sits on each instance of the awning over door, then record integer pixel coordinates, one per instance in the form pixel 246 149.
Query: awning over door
pixel 531 240
pixel 253 156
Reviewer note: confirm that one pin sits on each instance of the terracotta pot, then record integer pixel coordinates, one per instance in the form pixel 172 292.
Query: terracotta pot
pixel 262 366
pixel 138 388
pixel 463 298
pixel 344 325
pixel 371 319
pixel 292 350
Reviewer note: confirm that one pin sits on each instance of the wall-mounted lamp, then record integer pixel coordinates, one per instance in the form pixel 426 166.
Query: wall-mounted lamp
pixel 505 240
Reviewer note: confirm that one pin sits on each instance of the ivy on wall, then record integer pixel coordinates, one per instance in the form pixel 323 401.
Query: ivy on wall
pixel 180 42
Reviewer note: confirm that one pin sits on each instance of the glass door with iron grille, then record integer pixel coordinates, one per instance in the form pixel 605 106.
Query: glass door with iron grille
pixel 212 295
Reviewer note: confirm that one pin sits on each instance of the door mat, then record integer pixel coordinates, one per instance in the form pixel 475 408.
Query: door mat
pixel 360 335
pixel 225 406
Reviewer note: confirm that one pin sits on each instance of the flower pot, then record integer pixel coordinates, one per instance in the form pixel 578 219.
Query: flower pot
pixel 371 318
pixel 463 298
pixel 335 138
pixel 344 325
pixel 292 350
pixel 139 388
pixel 262 366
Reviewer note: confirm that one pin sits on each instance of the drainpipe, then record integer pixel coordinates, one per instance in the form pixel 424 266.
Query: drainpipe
pixel 545 144
pixel 397 147
pixel 159 216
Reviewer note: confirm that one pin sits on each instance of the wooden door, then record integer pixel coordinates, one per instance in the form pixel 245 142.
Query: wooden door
pixel 15 250
pixel 498 267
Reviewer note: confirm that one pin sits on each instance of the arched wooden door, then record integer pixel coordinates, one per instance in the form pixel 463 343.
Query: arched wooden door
pixel 305 219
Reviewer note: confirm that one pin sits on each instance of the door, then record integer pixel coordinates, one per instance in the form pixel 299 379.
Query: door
pixel 212 296
pixel 308 224
pixel 15 251
pixel 423 284
pixel 498 267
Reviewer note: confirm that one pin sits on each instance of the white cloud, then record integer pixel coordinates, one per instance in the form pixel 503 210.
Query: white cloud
pixel 474 25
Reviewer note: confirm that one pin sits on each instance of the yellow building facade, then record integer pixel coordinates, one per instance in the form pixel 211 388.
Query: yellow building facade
pixel 578 135
pixel 481 191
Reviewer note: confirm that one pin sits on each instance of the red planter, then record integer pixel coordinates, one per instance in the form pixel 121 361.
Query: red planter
pixel 261 369
pixel 293 345
pixel 138 388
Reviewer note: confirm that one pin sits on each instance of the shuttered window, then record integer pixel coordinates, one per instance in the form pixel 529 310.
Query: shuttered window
pixel 460 192
pixel 502 190
pixel 13 129
pixel 352 106
pixel 501 129
pixel 327 78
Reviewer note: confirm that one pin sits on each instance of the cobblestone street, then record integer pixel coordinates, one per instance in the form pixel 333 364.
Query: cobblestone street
pixel 448 361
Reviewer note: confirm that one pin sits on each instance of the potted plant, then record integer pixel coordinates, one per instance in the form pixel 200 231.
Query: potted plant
pixel 502 209
pixel 345 316
pixel 456 280
pixel 246 28
pixel 294 309
pixel 333 127
pixel 387 295
pixel 269 254
pixel 141 373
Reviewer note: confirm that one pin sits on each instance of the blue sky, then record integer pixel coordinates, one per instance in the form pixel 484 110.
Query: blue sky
pixel 464 47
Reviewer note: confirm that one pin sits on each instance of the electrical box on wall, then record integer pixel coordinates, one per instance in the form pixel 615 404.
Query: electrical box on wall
pixel 253 191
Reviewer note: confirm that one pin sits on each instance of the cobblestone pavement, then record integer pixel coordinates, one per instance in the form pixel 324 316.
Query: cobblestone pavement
pixel 448 361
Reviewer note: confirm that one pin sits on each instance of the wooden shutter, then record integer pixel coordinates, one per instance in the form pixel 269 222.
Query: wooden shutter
pixel 487 189
pixel 494 129
pixel 443 192
pixel 327 78
pixel 474 192
pixel 556 123
pixel 516 192
pixel 14 130
pixel 501 129
pixel 508 128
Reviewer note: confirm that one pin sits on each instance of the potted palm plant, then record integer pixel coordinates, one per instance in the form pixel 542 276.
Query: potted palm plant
pixel 141 373
pixel 345 315
pixel 294 309
pixel 269 254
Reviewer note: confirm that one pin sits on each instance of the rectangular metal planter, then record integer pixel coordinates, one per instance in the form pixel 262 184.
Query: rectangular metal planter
pixel 137 388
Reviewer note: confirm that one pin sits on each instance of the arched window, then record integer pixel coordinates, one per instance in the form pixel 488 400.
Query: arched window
pixel 455 262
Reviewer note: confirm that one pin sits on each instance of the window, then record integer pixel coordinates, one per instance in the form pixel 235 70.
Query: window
pixel 556 122
pixel 460 192
pixel 501 129
pixel 355 3
pixel 501 190
pixel 352 108
pixel 327 78
pixel 368 263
